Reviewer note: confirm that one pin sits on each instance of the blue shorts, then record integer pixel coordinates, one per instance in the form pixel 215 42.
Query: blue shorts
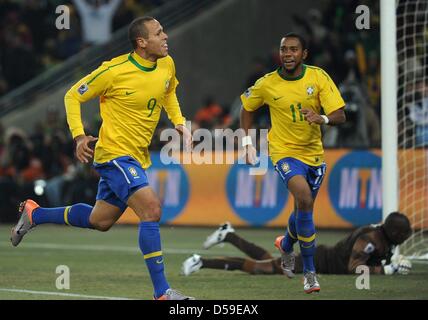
pixel 290 167
pixel 120 178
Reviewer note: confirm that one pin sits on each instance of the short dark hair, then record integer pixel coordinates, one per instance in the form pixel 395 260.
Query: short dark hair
pixel 298 36
pixel 137 29
pixel 397 227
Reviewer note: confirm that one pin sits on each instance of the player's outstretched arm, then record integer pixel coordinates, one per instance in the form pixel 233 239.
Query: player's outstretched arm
pixel 246 121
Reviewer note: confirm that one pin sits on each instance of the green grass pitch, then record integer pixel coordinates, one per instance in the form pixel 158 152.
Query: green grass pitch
pixel 110 265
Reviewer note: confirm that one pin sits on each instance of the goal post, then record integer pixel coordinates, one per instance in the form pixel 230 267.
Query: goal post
pixel 404 94
pixel 389 107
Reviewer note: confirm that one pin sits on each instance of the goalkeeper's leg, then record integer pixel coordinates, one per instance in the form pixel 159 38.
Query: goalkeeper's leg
pixel 250 266
pixel 252 250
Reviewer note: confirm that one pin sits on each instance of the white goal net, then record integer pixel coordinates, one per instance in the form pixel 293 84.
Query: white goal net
pixel 412 126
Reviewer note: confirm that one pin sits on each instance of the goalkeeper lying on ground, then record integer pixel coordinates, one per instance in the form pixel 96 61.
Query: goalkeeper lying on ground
pixel 368 245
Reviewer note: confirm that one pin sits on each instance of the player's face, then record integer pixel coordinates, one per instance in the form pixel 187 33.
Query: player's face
pixel 155 45
pixel 291 53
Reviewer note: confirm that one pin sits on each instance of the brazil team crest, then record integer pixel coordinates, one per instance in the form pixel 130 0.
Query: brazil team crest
pixel 133 171
pixel 310 89
pixel 285 167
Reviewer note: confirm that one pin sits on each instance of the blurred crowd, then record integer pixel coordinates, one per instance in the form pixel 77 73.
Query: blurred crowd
pixel 41 165
pixel 30 41
pixel 412 48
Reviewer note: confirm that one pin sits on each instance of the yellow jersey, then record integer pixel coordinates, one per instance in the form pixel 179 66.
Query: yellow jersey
pixel 132 93
pixel 290 135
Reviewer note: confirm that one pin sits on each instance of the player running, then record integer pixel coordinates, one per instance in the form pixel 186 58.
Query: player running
pixel 296 95
pixel 132 88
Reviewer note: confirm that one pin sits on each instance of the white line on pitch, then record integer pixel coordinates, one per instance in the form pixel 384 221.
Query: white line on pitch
pixel 48 293
pixel 91 247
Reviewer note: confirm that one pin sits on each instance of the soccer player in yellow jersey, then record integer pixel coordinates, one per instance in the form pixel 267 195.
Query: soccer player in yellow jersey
pixel 133 89
pixel 296 95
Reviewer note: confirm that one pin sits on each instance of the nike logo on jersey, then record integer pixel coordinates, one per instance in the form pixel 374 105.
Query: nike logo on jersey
pixel 129 92
pixel 274 99
pixel 159 261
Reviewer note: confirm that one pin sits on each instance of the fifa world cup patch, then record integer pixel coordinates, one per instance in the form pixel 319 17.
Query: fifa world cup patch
pixel 83 88
pixel 167 82
pixel 247 92
pixel 134 172
pixel 285 168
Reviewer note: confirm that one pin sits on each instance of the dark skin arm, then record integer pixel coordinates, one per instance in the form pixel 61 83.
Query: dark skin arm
pixel 246 121
pixel 335 118
pixel 359 257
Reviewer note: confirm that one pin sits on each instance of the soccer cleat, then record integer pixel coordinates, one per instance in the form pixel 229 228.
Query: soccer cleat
pixel 172 294
pixel 310 282
pixel 287 259
pixel 25 222
pixel 191 265
pixel 218 236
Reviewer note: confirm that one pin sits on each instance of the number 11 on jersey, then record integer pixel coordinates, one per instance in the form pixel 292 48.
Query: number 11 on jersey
pixel 293 112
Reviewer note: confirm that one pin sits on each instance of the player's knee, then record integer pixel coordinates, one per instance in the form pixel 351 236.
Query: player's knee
pixel 153 211
pixel 101 226
pixel 104 228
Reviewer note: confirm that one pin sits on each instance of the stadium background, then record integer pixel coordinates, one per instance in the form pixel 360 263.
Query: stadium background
pixel 217 58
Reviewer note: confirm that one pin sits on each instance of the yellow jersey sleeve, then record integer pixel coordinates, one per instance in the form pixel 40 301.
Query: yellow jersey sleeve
pixel 171 105
pixel 329 95
pixel 95 84
pixel 252 98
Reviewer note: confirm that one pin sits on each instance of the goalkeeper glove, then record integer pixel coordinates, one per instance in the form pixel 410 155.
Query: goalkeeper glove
pixel 403 266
